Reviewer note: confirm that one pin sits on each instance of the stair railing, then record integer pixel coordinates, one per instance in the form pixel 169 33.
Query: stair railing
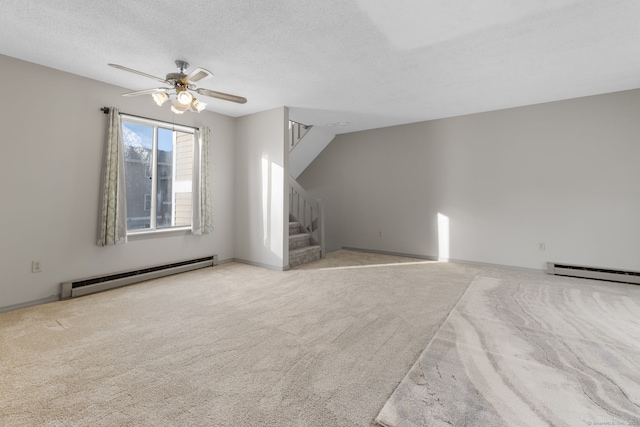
pixel 296 132
pixel 308 212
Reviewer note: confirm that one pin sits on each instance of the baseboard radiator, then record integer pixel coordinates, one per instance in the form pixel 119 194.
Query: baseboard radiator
pixel 624 276
pixel 90 285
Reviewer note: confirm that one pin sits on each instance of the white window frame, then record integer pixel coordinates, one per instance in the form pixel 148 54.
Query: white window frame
pixel 156 124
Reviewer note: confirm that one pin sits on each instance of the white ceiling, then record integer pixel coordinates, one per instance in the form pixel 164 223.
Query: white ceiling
pixel 367 63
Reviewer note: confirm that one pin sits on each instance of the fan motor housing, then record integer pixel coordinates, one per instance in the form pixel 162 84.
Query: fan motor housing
pixel 175 77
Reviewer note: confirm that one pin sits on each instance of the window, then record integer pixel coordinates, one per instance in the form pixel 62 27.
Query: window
pixel 158 173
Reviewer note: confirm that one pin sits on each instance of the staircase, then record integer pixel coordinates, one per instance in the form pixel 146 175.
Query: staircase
pixel 301 246
pixel 306 214
pixel 306 144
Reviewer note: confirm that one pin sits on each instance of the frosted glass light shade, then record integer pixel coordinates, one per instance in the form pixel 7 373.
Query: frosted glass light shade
pixel 160 98
pixel 177 107
pixel 184 98
pixel 197 105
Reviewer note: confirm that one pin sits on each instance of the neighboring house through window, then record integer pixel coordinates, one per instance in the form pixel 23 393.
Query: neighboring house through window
pixel 158 174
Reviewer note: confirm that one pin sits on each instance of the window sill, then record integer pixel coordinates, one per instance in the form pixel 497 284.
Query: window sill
pixel 153 234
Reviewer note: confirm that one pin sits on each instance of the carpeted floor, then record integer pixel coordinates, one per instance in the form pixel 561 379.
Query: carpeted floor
pixel 528 350
pixel 327 344
pixel 233 345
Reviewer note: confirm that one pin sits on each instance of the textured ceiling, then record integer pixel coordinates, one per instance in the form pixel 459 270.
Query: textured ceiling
pixel 369 63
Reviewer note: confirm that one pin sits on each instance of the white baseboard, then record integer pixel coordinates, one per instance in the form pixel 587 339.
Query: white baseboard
pixel 455 261
pixel 52 298
pixel 259 264
pixel 374 251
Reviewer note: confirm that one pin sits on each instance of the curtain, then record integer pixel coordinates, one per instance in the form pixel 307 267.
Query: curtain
pixel 113 217
pixel 201 221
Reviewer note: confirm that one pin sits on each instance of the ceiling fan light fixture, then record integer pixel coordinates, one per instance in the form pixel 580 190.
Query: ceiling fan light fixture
pixel 197 105
pixel 160 98
pixel 178 107
pixel 180 84
pixel 184 98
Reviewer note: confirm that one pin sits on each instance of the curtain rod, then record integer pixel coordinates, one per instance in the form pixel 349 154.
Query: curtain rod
pixel 107 110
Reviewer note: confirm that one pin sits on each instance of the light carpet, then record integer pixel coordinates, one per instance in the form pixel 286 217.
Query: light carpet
pixel 232 345
pixel 528 350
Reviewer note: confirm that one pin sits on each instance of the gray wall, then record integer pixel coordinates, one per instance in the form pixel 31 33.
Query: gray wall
pixel 260 203
pixel 563 173
pixel 52 138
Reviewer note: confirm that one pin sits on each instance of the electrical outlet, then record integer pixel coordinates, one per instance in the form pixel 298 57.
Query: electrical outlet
pixel 542 246
pixel 36 266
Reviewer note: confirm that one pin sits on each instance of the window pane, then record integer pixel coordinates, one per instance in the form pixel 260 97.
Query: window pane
pixel 158 194
pixel 184 178
pixel 164 200
pixel 138 149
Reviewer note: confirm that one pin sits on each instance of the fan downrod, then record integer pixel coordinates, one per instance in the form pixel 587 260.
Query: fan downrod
pixel 182 65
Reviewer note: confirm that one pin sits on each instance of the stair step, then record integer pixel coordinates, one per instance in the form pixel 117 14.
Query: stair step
pixel 304 255
pixel 294 227
pixel 299 240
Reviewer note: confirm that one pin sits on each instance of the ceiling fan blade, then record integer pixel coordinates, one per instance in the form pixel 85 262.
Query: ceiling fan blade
pixel 120 67
pixel 220 95
pixel 198 75
pixel 146 91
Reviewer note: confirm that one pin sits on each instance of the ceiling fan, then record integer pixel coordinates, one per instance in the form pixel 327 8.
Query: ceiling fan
pixel 181 85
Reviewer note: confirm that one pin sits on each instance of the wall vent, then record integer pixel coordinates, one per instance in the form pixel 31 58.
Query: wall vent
pixel 611 275
pixel 89 285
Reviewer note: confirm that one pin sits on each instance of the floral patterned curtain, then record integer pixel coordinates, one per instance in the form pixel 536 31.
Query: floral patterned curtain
pixel 202 222
pixel 113 217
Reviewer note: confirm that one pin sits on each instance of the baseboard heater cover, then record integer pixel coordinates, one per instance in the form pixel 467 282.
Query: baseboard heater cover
pixel 90 285
pixel 625 276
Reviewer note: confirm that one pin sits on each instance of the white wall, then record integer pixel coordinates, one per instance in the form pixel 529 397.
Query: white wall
pixel 52 138
pixel 261 203
pixel 563 173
